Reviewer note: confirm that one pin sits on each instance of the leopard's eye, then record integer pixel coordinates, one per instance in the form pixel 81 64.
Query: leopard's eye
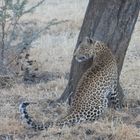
pixel 86 49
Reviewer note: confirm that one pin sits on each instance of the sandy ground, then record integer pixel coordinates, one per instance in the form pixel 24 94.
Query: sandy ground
pixel 53 51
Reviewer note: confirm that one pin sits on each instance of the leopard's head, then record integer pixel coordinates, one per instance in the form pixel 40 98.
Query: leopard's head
pixel 85 50
pixel 88 48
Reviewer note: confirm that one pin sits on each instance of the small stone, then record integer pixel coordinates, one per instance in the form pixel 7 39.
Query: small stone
pixel 6 137
pixel 110 136
pixel 137 124
pixel 75 133
pixel 89 132
pixel 126 119
pixel 100 138
pixel 135 111
pixel 58 134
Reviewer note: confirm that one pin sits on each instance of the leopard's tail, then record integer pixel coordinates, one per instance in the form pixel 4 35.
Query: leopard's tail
pixel 70 119
pixel 28 120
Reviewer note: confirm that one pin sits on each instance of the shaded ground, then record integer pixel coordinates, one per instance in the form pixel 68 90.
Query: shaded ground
pixel 53 51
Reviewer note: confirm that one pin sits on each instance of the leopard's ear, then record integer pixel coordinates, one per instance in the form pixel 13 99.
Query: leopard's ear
pixel 97 43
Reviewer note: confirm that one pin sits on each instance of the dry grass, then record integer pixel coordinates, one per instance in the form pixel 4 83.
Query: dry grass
pixel 53 51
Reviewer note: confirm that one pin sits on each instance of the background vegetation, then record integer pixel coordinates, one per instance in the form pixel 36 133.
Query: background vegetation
pixel 52 48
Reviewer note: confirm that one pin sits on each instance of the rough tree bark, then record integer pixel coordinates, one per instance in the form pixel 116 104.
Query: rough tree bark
pixel 2 70
pixel 111 21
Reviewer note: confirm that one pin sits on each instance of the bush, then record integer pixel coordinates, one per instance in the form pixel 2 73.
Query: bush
pixel 12 38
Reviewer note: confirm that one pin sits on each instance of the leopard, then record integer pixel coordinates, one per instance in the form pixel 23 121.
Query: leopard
pixel 95 89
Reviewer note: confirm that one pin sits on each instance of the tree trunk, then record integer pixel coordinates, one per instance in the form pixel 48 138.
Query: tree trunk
pixel 111 21
pixel 2 45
